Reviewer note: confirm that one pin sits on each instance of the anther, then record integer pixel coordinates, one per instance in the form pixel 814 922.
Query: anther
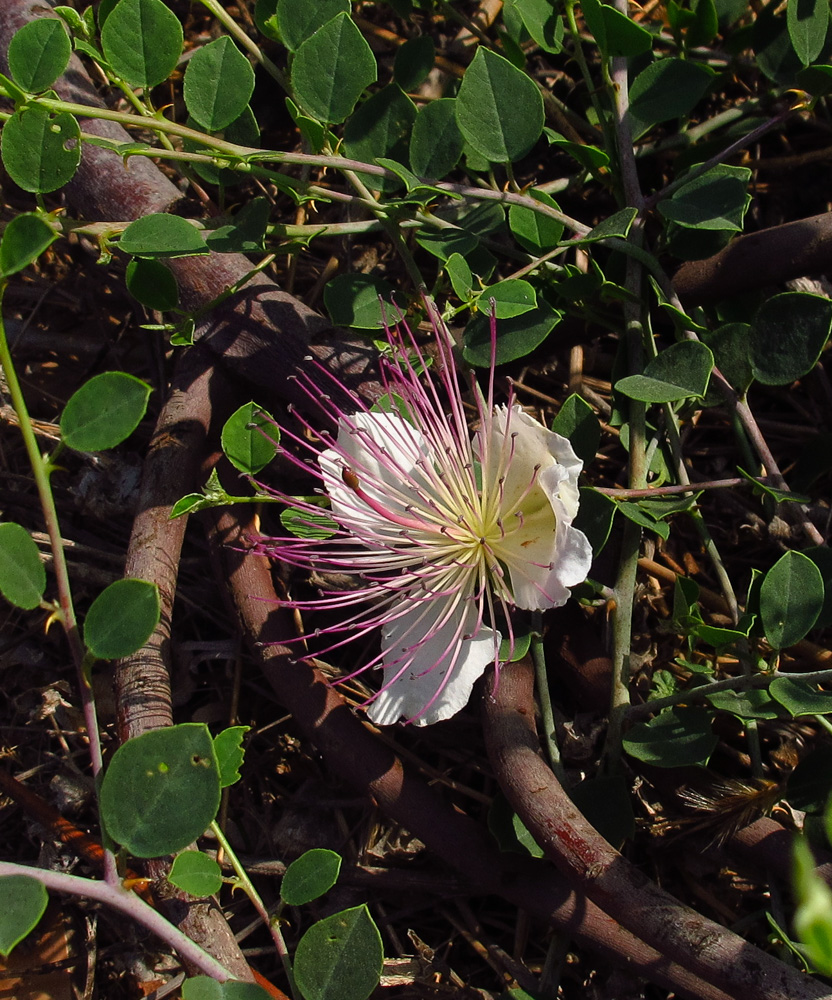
pixel 350 479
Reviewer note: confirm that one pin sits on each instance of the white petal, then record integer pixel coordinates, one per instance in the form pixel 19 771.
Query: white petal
pixel 445 650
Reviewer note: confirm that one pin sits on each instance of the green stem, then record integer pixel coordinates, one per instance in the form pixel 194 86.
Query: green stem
pixel 247 886
pixel 233 29
pixel 550 736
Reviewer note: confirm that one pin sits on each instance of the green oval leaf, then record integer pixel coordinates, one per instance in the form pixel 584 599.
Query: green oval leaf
pixel 512 297
pixel 535 231
pixel 678 738
pixel 196 874
pixel 515 337
pixel 716 200
pixel 576 421
pixel 38 53
pixel 41 151
pixel 800 698
pixel 332 69
pixel 380 127
pixel 151 283
pixel 24 902
pixel 310 876
pixel 414 60
pixel 228 746
pixel 22 576
pixel 668 88
pixel 354 300
pixel 161 790
pixel 436 143
pixel 162 235
pixel 104 411
pixel 219 82
pixel 298 20
pixel 542 23
pixel 680 371
pixel 499 109
pixel 205 988
pixel 121 619
pixel 751 704
pixel 24 240
pixel 340 957
pixel 791 599
pixel 249 438
pixel 787 336
pixel 142 40
pixel 614 32
pixel 807 22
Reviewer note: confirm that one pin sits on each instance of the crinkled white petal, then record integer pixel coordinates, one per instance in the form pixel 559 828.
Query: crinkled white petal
pixel 444 651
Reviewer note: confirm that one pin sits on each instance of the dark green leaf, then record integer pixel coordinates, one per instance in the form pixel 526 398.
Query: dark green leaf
pixel 535 231
pixel 729 344
pixel 104 411
pixel 38 53
pixel 817 80
pixel 716 200
pixel 161 790
pixel 196 874
pixel 332 69
pixel 151 283
pixel 617 225
pixel 506 827
pixel 576 420
pixel 24 239
pixel 679 372
pixel 791 599
pixel 22 576
pixel 810 782
pixel 589 157
pixel 515 337
pixel 414 60
pixel 24 902
pixel 142 40
pixel 595 517
pixel 499 110
pixel 614 32
pixel 219 82
pixel 121 619
pixel 668 88
pixel 606 803
pixel 161 235
pixel 249 438
pixel 310 876
pixel 436 143
pixel 542 23
pixel 512 297
pixel 677 738
pixel 813 916
pixel 459 272
pixel 246 231
pixel 800 698
pixel 635 513
pixel 228 746
pixel 205 988
pixel 340 957
pixel 787 336
pixel 380 127
pixel 807 21
pixel 753 704
pixel 41 151
pixel 300 19
pixel 821 556
pixel 355 300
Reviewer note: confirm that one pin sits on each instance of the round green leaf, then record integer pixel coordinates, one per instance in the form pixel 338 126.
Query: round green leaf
pixel 716 200
pixel 104 411
pixel 161 790
pixel 751 704
pixel 219 82
pixel 151 283
pixel 41 151
pixel 576 421
pixel 310 876
pixel 340 957
pixel 807 22
pixel 542 23
pixel 22 576
pixel 299 19
pixel 791 598
pixel 121 619
pixel 38 53
pixel 512 297
pixel 196 874
pixel 787 336
pixel 534 231
pixel 205 988
pixel 249 438
pixel 332 69
pixel 414 60
pixel 24 240
pixel 380 127
pixel 678 738
pixel 515 337
pixel 680 371
pixel 228 746
pixel 24 902
pixel 614 32
pixel 729 344
pixel 668 88
pixel 354 300
pixel 800 698
pixel 162 235
pixel 142 40
pixel 499 109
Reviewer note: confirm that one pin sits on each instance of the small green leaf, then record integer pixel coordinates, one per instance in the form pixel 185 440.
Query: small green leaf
pixel 355 300
pixel 205 988
pixel 595 516
pixel 535 231
pixel 246 231
pixel 380 127
pixel 510 652
pixel 196 874
pixel 228 746
pixel 729 344
pixel 142 40
pixel 716 200
pixel 751 704
pixel 306 524
pixel 576 421
pixel 616 226
pixel 589 157
pixel 340 957
pixel 414 60
pixel 436 143
pixel 515 337
pixel 821 556
pixel 800 698
pixel 787 336
pixel 499 109
pixel 310 876
pixel 38 53
pixel 668 88
pixel 332 69
pixel 41 151
pixel 813 916
pixel 614 32
pixel 807 22
pixel 679 372
pixel 24 902
pixel 22 576
pixel 24 240
pixel 161 235
pixel 121 619
pixel 459 272
pixel 298 20
pixel 219 82
pixel 791 599
pixel 250 438
pixel 151 283
pixel 506 827
pixel 634 512
pixel 512 297
pixel 680 737
pixel 542 23
pixel 104 411
pixel 161 790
